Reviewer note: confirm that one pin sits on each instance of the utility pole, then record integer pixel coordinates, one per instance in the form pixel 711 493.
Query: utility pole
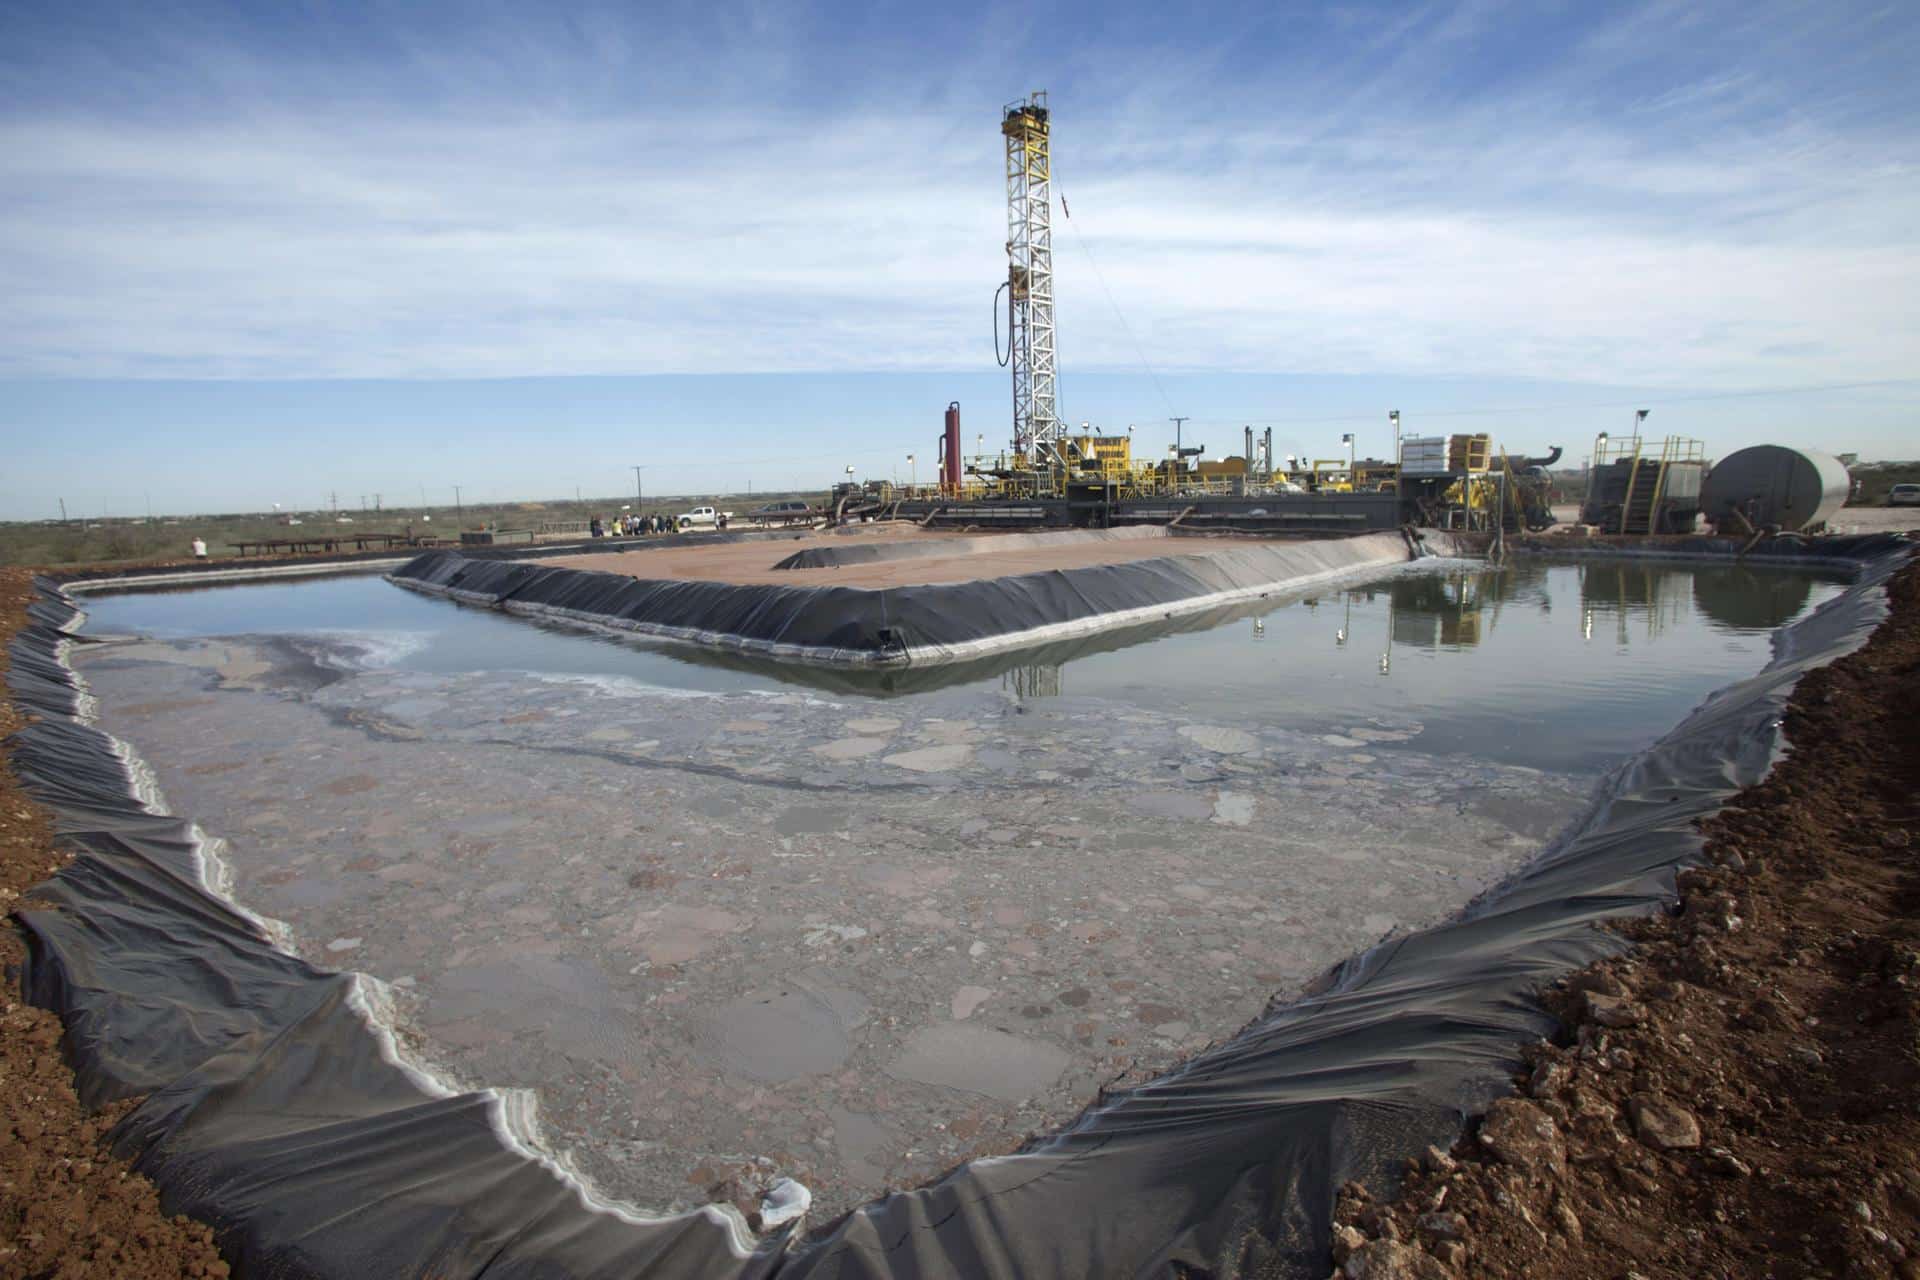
pixel 457 517
pixel 639 494
pixel 63 511
pixel 376 504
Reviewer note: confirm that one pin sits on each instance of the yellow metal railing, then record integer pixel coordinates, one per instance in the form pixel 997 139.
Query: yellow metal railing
pixel 1633 482
pixel 1128 479
pixel 1673 451
pixel 1472 453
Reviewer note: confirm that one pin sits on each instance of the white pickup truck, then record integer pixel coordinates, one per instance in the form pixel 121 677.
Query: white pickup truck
pixel 701 516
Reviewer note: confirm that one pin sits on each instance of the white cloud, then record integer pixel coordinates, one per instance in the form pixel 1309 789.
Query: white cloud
pixel 1337 234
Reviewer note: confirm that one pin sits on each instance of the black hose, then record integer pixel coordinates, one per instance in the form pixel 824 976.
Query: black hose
pixel 996 325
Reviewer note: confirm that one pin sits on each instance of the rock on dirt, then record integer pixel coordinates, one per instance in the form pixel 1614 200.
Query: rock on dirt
pixel 1391 1260
pixel 1520 1134
pixel 1611 1011
pixel 1777 1017
pixel 1663 1124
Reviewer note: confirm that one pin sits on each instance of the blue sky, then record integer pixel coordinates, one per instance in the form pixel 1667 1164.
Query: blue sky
pixel 261 253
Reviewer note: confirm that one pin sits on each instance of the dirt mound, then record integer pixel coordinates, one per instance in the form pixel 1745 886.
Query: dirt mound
pixel 1737 1096
pixel 67 1208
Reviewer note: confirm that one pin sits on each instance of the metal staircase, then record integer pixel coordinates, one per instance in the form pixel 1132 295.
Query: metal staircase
pixel 1637 514
pixel 1644 506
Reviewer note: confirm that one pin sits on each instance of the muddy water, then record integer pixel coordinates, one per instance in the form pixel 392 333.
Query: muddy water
pixel 730 926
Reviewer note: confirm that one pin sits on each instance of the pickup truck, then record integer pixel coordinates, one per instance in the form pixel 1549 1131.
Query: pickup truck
pixel 700 516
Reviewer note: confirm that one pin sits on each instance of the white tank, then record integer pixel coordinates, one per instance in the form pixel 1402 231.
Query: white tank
pixel 1772 484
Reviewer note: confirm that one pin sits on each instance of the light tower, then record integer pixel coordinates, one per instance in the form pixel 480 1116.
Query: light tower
pixel 1036 422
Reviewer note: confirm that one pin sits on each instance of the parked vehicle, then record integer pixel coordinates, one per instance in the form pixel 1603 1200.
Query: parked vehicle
pixel 1904 495
pixel 700 516
pixel 781 513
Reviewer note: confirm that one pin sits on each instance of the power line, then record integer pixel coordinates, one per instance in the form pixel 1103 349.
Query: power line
pixel 1119 315
pixel 1636 402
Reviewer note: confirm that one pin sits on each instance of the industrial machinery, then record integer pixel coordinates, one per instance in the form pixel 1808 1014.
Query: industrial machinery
pixel 1770 485
pixel 1635 487
pixel 1053 473
pixel 1046 460
pixel 950 475
pixel 1026 127
pixel 1463 482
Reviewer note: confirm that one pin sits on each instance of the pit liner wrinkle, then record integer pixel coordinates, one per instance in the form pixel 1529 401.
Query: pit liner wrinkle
pixel 275 1115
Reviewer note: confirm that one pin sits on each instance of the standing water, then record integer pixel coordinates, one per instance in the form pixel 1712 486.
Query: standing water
pixel 733 920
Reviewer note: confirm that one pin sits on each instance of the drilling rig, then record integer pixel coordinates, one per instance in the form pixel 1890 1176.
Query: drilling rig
pixel 1037 431
pixel 1046 458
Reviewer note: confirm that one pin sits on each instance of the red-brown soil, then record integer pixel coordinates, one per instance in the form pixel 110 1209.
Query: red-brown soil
pixel 1776 1012
pixel 67 1207
pixel 1740 1094
pixel 751 562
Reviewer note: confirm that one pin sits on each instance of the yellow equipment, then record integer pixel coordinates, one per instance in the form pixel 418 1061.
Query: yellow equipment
pixel 1109 456
pixel 1331 475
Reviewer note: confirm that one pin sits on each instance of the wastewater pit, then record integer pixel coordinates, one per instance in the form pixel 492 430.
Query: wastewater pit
pixel 732 921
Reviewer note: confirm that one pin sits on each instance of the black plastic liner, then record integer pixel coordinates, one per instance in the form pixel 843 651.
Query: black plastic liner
pixel 938 622
pixel 275 1116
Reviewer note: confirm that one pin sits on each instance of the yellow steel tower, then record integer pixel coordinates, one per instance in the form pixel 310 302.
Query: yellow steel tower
pixel 1036 423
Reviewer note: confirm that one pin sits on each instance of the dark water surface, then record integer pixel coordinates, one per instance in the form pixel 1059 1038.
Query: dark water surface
pixel 1565 666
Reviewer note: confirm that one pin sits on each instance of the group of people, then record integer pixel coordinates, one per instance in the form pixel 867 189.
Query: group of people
pixel 629 525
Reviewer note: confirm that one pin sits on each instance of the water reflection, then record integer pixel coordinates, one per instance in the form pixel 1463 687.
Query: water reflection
pixel 1441 643
pixel 1455 609
pixel 1436 611
pixel 1028 682
pixel 1629 599
pixel 1741 599
pixel 1619 600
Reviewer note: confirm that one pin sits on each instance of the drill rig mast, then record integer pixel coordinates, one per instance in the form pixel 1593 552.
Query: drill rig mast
pixel 1037 430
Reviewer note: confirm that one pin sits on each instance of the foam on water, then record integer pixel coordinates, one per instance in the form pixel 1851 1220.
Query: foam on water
pixel 348 649
pixel 615 686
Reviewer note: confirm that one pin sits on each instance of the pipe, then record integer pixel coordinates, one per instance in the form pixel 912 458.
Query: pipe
pixel 1521 462
pixel 951 444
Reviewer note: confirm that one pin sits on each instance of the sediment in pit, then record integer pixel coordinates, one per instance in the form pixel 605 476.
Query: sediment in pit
pixel 278 1116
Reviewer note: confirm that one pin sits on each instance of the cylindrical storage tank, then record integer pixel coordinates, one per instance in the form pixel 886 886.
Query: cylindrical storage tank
pixel 1772 484
pixel 950 447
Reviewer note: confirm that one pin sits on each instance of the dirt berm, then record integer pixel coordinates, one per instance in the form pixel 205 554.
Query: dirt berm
pixel 1739 1095
pixel 67 1208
